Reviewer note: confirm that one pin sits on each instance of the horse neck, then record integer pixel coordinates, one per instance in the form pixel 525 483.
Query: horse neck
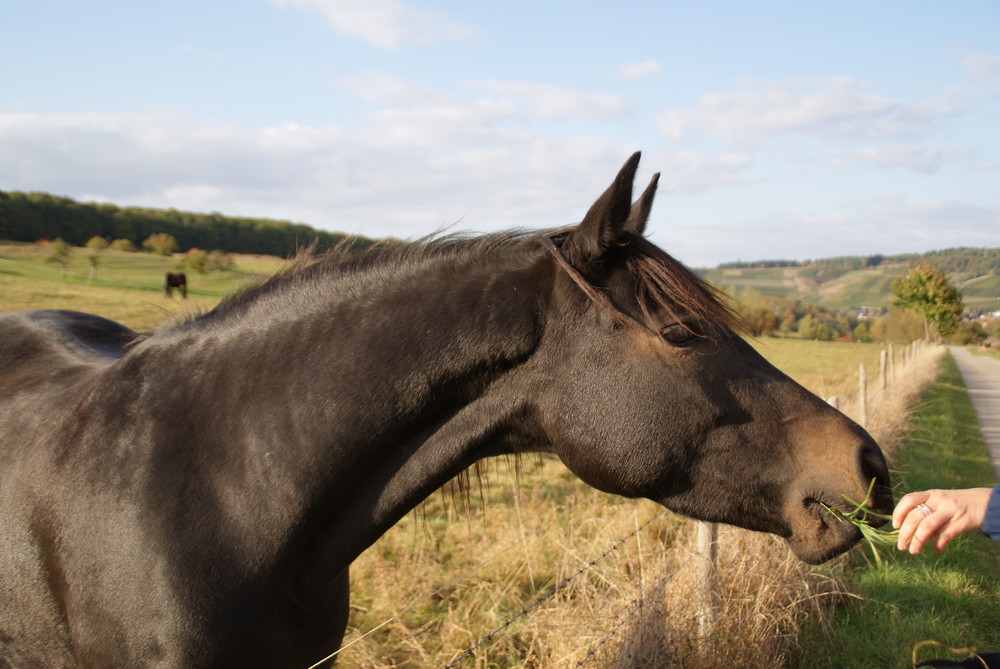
pixel 336 415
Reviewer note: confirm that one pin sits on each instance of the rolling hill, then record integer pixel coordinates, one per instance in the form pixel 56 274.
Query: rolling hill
pixel 842 283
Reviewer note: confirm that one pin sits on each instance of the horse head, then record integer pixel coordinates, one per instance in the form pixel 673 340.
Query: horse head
pixel 659 397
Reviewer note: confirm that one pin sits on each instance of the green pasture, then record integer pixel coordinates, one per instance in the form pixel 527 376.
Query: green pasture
pixel 981 292
pixel 127 287
pixel 826 368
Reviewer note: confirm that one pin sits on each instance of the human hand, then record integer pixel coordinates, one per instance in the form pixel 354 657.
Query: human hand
pixel 944 514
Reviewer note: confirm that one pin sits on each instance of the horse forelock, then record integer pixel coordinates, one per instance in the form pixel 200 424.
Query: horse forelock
pixel 665 284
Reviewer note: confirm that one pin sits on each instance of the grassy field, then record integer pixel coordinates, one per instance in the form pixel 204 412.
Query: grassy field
pixel 951 597
pixel 449 573
pixel 828 370
pixel 128 287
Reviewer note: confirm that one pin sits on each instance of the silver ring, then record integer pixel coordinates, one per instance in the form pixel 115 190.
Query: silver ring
pixel 926 509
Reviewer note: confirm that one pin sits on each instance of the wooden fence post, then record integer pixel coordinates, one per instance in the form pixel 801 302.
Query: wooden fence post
pixel 863 394
pixel 708 533
pixel 881 368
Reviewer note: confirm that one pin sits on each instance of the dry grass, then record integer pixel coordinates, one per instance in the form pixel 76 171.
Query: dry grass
pixel 636 607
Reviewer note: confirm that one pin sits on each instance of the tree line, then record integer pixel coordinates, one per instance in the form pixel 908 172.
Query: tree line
pixel 29 217
pixel 975 261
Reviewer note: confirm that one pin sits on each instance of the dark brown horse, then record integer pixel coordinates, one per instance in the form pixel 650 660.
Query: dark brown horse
pixel 195 498
pixel 176 280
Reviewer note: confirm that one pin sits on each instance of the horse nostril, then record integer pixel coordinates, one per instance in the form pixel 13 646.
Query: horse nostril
pixel 873 466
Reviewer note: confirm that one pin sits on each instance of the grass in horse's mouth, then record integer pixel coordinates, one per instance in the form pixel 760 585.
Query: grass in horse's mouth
pixel 861 517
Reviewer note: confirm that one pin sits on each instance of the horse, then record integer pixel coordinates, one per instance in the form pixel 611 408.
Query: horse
pixel 194 498
pixel 175 280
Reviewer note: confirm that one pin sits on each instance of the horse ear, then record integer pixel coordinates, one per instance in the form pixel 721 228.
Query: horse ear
pixel 605 219
pixel 639 214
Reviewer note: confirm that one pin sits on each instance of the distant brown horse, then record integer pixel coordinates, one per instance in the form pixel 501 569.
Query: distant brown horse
pixel 193 499
pixel 176 280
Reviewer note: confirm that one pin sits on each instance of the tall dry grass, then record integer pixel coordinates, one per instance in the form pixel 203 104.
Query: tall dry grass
pixel 445 577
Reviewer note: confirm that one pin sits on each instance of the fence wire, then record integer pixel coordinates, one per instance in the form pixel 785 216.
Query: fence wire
pixel 632 612
pixel 551 591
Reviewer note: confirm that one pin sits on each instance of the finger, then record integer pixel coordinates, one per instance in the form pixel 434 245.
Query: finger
pixel 906 504
pixel 910 522
pixel 943 539
pixel 926 530
pixel 950 529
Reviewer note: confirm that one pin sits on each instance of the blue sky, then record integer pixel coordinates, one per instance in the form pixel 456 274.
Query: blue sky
pixel 782 129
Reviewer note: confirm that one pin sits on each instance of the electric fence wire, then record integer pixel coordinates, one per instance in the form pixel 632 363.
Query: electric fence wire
pixel 632 611
pixel 551 591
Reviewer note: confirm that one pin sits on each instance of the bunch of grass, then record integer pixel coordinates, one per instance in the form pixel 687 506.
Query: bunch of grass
pixel 862 517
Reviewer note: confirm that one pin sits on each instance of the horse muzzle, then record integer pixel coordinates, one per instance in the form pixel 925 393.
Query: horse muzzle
pixel 816 510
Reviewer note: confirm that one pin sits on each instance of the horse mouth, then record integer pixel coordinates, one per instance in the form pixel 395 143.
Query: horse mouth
pixel 822 533
pixel 819 521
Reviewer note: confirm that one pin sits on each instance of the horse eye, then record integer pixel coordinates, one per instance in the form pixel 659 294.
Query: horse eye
pixel 677 334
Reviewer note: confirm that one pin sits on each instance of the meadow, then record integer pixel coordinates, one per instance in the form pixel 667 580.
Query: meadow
pixel 523 564
pixel 128 287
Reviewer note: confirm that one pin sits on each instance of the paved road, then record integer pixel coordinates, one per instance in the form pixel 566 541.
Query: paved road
pixel 981 374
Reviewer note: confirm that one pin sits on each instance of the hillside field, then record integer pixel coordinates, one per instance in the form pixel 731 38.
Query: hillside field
pixel 844 289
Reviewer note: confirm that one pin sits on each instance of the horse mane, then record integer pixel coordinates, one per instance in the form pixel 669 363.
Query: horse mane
pixel 663 282
pixel 380 260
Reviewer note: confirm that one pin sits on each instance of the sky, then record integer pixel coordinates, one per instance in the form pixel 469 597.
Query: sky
pixel 782 130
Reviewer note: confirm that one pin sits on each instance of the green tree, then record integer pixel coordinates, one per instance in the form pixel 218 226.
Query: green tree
pixel 861 333
pixel 59 252
pixel 95 245
pixel 927 291
pixel 968 333
pixel 161 243
pixel 757 312
pixel 196 260
pixel 123 245
pixel 219 262
pixel 809 327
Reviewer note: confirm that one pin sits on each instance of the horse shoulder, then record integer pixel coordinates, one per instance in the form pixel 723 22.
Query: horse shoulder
pixel 46 358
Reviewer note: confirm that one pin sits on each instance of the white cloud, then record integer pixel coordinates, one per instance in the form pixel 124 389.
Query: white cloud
pixel 388 24
pixel 555 102
pixel 637 70
pixel 916 157
pixel 887 225
pixel 376 181
pixel 690 173
pixel 978 68
pixel 835 108
pixel 480 111
pixel 379 88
